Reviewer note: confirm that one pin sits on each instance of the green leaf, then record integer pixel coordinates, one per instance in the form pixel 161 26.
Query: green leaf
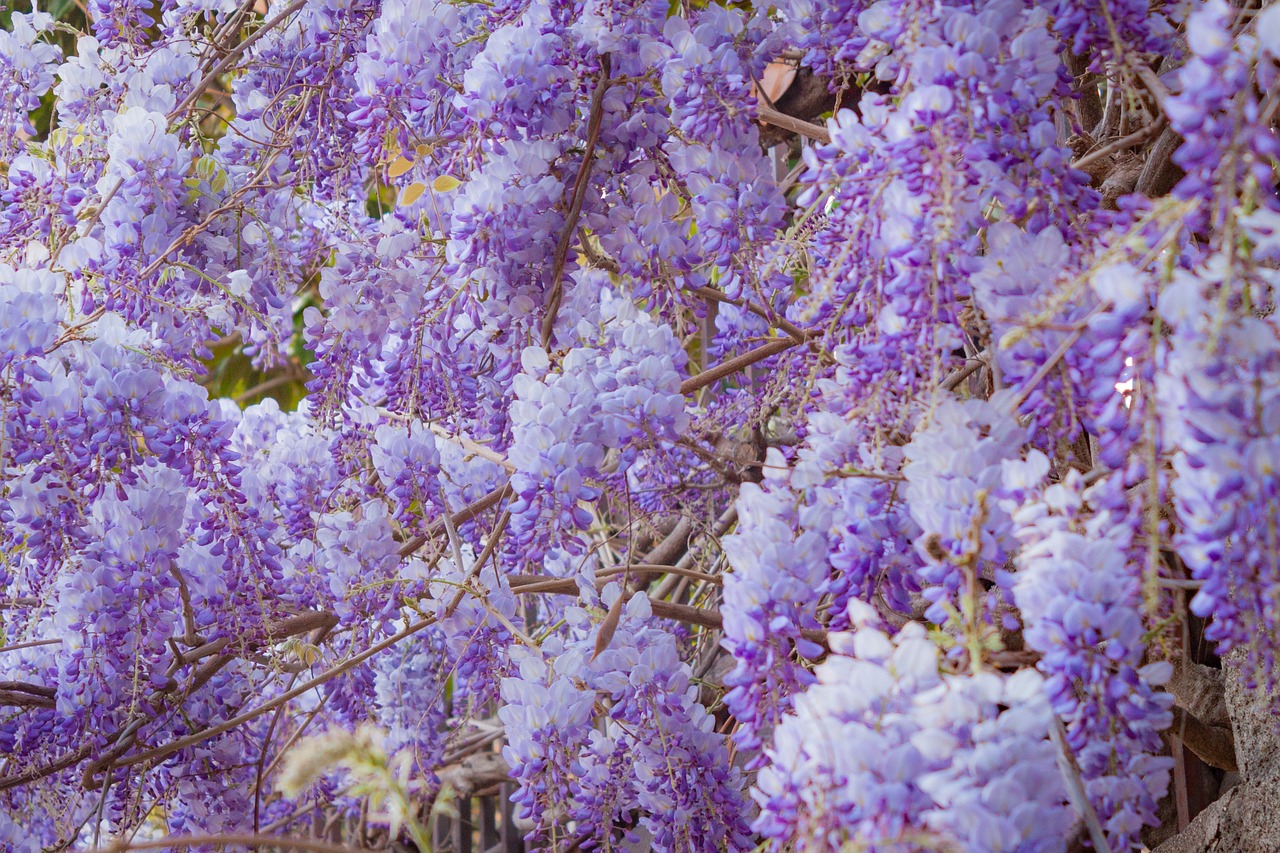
pixel 206 167
pixel 60 8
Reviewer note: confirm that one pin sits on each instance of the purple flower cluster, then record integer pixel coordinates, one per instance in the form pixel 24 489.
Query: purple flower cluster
pixel 953 475
pixel 1112 28
pixel 1080 598
pixel 780 574
pixel 398 72
pixel 909 181
pixel 1046 300
pixel 656 756
pixel 478 633
pixel 123 23
pixel 733 199
pixel 587 412
pixel 1227 144
pixel 411 686
pixel 520 251
pixel 409 467
pixel 1018 279
pixel 854 487
pixel 547 720
pixel 1218 394
pixel 891 752
pixel 26 73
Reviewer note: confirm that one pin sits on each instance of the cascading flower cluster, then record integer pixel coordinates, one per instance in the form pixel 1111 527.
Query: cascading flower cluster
pixel 656 757
pixel 1227 143
pixel 1080 599
pixel 953 477
pixel 1218 390
pixel 1114 27
pixel 769 601
pixel 26 73
pixel 1215 380
pixel 890 751
pixel 909 181
pixel 598 400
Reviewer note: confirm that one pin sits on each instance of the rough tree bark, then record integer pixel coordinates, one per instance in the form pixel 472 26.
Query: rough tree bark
pixel 1246 818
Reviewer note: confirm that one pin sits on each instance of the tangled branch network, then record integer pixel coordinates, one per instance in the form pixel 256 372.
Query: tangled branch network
pixel 814 426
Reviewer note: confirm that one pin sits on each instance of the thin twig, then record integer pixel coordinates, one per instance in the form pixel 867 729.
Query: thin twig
pixel 472 447
pixel 648 569
pixel 1149 79
pixel 29 645
pixel 465 514
pixel 224 32
pixel 253 713
pixel 232 55
pixel 1136 138
pixel 594 123
pixel 269 384
pixel 781 322
pixel 727 520
pixel 662 609
pixel 969 368
pixel 792 178
pixel 1052 362
pixel 1177 583
pixel 1075 786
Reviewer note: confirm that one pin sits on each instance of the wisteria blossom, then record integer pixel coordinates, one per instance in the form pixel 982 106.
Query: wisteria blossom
pixel 625 425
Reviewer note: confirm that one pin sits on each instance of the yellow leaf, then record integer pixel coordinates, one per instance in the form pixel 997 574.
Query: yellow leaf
pixel 424 150
pixel 445 183
pixel 308 653
pixel 411 193
pixel 399 166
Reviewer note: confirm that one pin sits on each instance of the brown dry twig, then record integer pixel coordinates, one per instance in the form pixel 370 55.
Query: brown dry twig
pixel 793 124
pixel 595 121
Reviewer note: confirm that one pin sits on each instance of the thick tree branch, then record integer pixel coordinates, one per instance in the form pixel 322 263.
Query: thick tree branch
pixel 462 516
pixel 733 365
pixel 793 124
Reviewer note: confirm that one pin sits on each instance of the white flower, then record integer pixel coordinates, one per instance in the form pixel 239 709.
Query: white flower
pixel 239 283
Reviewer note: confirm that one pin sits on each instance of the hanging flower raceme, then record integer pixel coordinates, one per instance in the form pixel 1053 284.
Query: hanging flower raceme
pixel 26 73
pixel 599 399
pixel 654 756
pixel 890 751
pixel 1080 598
pixel 953 477
pixel 1218 391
